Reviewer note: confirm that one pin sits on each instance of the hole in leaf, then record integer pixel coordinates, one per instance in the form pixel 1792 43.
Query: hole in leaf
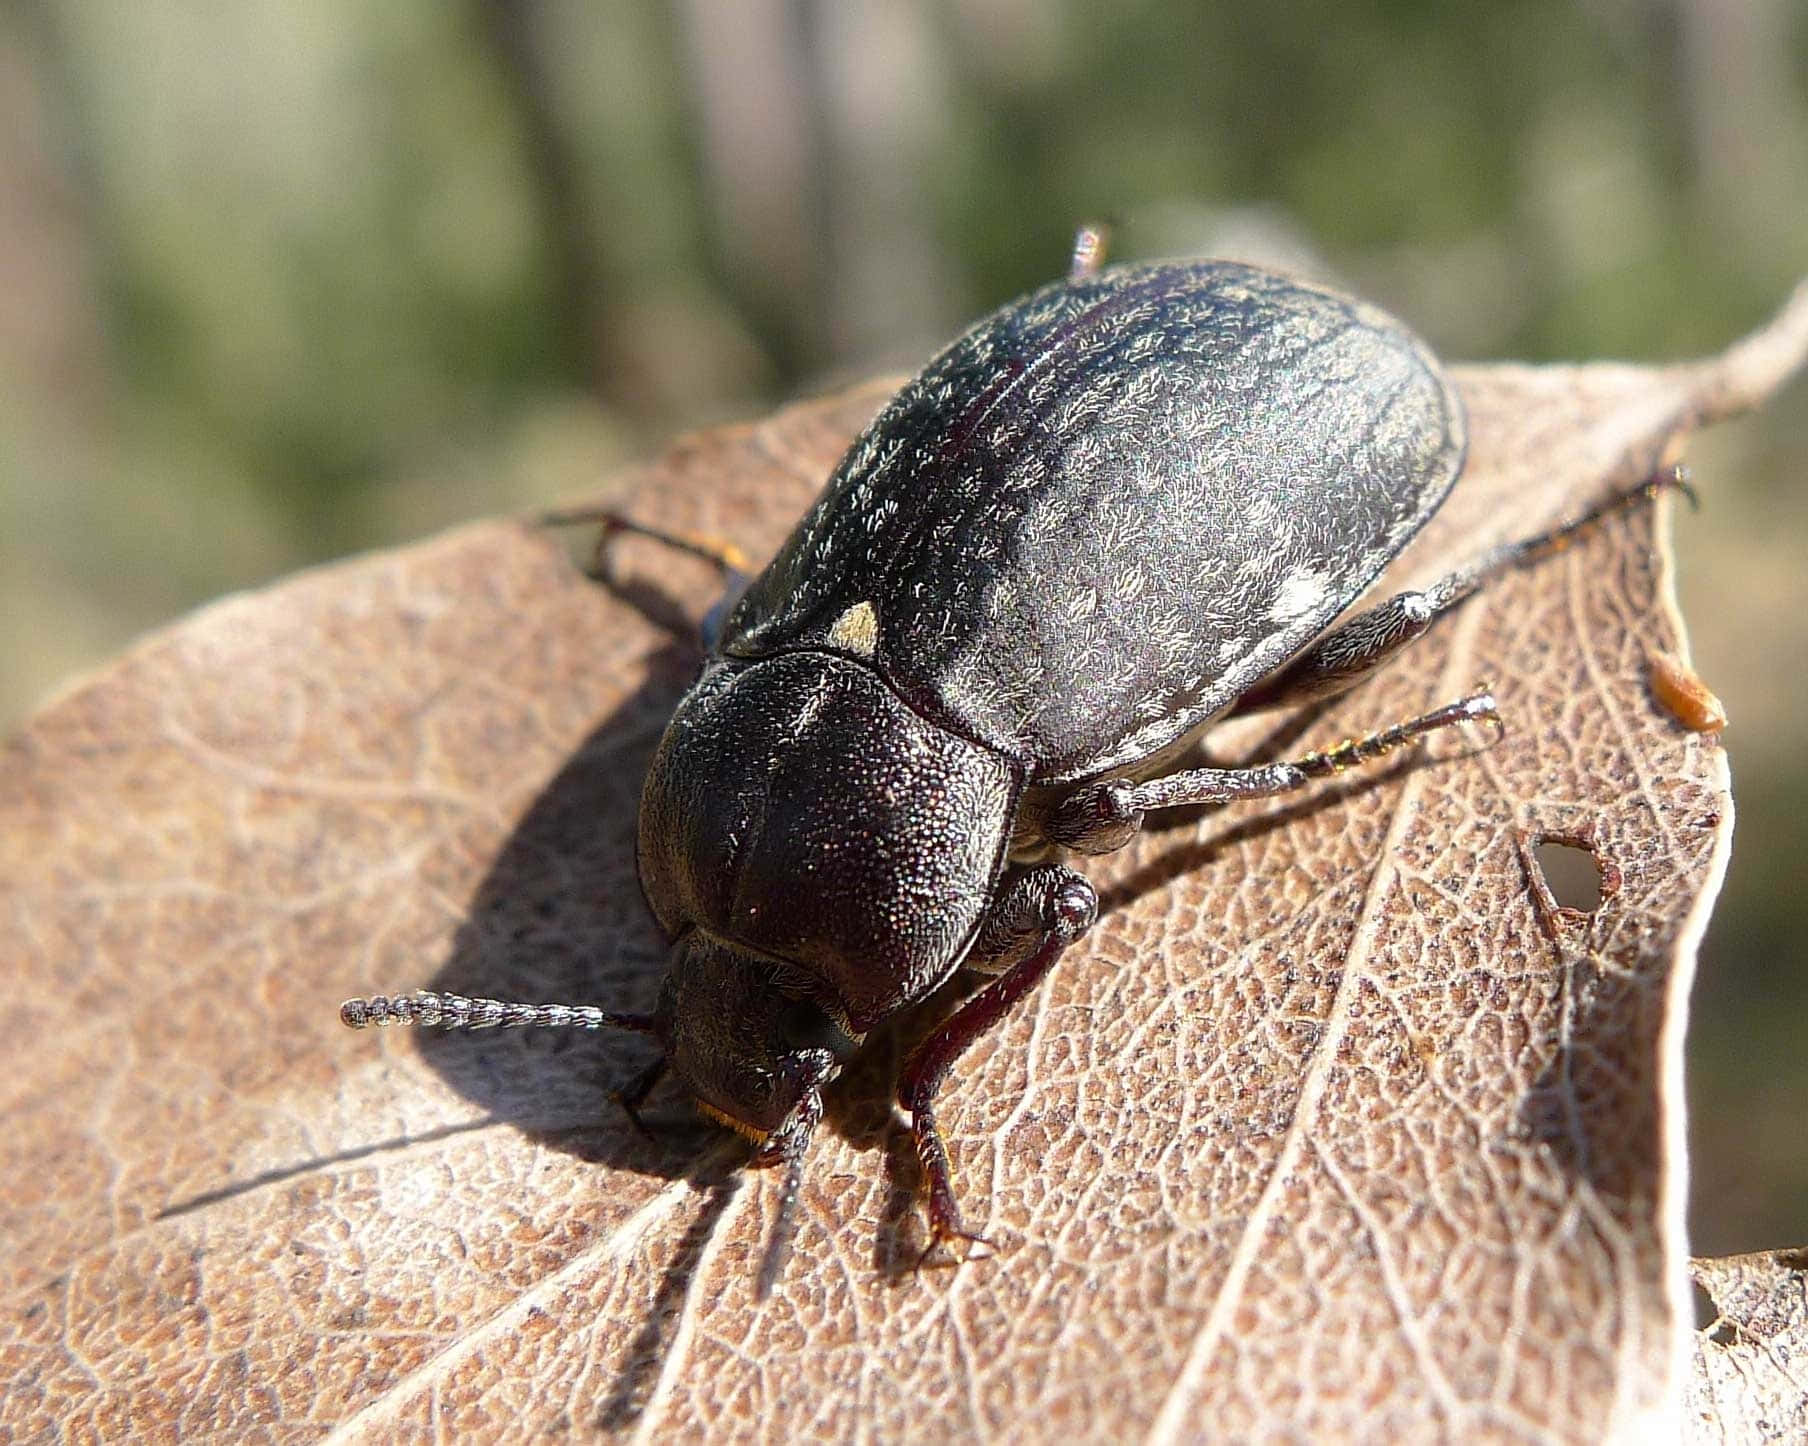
pixel 1571 873
pixel 1706 1312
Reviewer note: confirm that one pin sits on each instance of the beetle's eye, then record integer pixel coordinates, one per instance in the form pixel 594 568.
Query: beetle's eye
pixel 808 1026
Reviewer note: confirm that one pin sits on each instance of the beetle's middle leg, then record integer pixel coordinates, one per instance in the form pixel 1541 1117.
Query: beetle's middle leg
pixel 1037 914
pixel 1347 654
pixel 1098 817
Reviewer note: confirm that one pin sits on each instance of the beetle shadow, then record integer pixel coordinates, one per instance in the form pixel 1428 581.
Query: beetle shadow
pixel 641 1362
pixel 1582 1107
pixel 559 917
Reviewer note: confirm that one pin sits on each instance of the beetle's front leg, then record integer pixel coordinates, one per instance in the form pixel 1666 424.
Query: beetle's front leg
pixel 728 560
pixel 1038 913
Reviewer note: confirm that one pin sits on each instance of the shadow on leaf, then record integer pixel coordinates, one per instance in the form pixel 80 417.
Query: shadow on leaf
pixel 559 917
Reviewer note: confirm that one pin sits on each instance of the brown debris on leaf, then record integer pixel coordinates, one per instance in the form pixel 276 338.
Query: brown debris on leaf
pixel 1325 1128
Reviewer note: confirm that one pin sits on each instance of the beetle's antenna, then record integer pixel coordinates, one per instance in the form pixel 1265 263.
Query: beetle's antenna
pixel 459 1011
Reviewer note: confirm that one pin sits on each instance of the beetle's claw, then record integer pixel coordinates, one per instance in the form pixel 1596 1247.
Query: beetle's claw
pixel 1679 477
pixel 961 1245
pixel 971 1247
pixel 1485 710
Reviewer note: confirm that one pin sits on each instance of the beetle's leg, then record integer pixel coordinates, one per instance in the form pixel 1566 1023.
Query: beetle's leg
pixel 1031 903
pixel 1099 817
pixel 635 1094
pixel 1349 653
pixel 727 559
pixel 1048 907
pixel 1091 242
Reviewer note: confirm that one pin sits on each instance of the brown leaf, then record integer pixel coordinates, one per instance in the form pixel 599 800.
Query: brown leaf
pixel 1748 1381
pixel 1326 1127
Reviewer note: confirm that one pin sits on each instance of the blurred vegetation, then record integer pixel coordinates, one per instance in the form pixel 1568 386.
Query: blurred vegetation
pixel 278 282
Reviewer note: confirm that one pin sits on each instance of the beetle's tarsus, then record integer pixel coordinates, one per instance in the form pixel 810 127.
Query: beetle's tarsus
pixel 633 1095
pixel 614 522
pixel 1532 549
pixel 1091 243
pixel 1487 710
pixel 927 1068
pixel 947 1232
pixel 1679 477
pixel 1227 785
pixel 1478 707
pixel 943 1251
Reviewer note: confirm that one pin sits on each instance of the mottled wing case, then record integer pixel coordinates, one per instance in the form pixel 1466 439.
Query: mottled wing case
pixel 1107 511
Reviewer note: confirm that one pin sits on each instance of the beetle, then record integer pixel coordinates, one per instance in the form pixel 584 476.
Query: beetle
pixel 1112 513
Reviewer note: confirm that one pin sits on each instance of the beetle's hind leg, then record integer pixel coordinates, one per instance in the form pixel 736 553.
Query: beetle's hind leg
pixel 1348 653
pixel 1038 913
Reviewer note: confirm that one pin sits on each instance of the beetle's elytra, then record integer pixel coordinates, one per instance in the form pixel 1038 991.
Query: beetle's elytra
pixel 1112 512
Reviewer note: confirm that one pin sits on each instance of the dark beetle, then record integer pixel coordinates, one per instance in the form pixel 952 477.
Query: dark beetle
pixel 1111 513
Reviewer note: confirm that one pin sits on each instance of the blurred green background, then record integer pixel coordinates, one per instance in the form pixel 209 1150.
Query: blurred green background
pixel 278 282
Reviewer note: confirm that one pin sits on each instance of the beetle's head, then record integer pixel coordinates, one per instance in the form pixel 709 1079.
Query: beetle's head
pixel 744 1036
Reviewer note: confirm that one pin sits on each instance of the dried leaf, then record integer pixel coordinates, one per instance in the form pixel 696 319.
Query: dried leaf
pixel 1337 1123
pixel 1748 1381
